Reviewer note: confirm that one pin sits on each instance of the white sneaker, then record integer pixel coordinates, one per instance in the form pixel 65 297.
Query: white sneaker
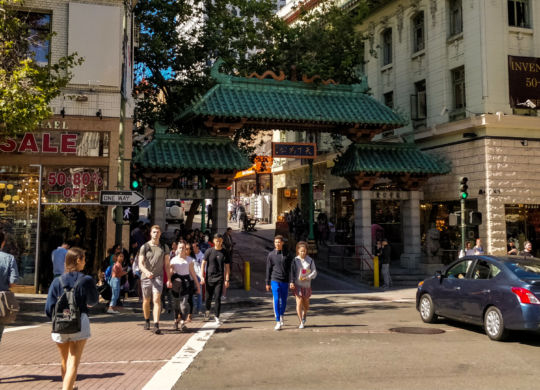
pixel 301 326
pixel 281 320
pixel 110 310
pixel 218 322
pixel 278 326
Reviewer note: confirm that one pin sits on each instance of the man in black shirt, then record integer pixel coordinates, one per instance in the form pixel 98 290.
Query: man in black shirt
pixel 278 266
pixel 216 270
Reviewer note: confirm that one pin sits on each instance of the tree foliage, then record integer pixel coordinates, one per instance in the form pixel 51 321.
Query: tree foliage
pixel 26 89
pixel 179 40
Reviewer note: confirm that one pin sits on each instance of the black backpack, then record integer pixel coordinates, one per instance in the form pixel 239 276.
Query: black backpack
pixel 66 315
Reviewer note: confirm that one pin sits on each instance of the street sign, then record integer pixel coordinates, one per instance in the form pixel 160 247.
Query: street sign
pixel 120 198
pixel 306 150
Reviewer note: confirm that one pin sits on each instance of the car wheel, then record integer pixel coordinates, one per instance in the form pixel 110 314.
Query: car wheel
pixel 427 309
pixel 494 324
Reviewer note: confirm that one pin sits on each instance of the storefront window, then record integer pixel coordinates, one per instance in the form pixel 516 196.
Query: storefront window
pixel 19 194
pixel 523 224
pixel 437 214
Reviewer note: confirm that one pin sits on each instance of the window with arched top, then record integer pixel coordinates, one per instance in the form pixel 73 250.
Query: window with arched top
pixel 386 38
pixel 418 31
pixel 455 17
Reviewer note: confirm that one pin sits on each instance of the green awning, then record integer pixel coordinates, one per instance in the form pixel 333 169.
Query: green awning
pixel 388 158
pixel 174 151
pixel 287 101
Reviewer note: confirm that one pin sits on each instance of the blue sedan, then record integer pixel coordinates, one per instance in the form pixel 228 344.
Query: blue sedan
pixel 498 293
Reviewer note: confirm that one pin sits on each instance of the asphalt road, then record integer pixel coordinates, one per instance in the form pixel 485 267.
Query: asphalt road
pixel 350 342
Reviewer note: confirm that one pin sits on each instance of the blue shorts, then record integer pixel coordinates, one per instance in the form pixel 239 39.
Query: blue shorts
pixel 82 335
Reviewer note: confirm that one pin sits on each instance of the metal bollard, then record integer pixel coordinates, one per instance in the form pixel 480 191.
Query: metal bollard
pixel 247 273
pixel 375 271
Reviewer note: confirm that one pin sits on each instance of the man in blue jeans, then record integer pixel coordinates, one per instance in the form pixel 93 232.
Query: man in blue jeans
pixel 278 266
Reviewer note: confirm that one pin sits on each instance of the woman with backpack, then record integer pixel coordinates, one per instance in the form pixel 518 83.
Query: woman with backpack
pixel 71 339
pixel 182 276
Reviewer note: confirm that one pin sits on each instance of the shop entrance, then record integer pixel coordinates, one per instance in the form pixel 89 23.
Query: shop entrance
pixel 82 226
pixel 386 222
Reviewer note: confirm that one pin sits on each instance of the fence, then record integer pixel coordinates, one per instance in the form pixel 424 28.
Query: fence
pixel 352 260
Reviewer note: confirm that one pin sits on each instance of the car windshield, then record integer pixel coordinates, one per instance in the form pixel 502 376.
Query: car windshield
pixel 525 269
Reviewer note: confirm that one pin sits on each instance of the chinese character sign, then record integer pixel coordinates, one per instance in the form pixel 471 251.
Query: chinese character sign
pixel 294 150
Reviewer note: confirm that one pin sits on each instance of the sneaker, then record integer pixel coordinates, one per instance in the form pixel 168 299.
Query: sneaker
pixel 281 321
pixel 147 325
pixel 183 327
pixel 207 315
pixel 301 325
pixel 278 326
pixel 218 322
pixel 156 330
pixel 110 310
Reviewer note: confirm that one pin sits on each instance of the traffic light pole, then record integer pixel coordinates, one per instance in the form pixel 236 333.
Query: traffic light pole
pixel 463 224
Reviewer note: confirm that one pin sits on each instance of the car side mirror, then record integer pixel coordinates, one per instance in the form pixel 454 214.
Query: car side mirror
pixel 439 275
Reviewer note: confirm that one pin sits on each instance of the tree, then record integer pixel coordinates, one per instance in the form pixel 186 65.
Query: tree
pixel 180 40
pixel 26 88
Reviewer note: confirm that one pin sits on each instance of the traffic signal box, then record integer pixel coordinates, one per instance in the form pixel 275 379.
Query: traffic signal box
pixel 463 187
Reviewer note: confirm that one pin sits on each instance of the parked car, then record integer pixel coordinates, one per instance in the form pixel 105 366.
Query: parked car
pixel 498 293
pixel 174 212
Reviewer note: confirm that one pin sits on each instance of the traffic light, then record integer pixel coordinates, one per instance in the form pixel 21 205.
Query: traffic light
pixel 463 188
pixel 135 184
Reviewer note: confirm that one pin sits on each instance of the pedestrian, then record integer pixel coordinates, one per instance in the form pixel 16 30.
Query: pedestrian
pixel 241 216
pixel 469 251
pixel 183 273
pixel 9 273
pixel 153 263
pixel 386 251
pixel 198 257
pixel 512 250
pixel 478 249
pixel 216 271
pixel 527 251
pixel 230 209
pixel 278 266
pixel 58 257
pixel 303 271
pixel 71 345
pixel 116 276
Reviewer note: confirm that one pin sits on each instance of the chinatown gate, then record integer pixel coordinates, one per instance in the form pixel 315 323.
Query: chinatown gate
pixel 257 103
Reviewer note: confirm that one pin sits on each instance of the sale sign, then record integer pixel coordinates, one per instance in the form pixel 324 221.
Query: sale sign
pixel 73 185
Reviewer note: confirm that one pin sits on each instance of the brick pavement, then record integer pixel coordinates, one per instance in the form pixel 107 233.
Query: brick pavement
pixel 119 355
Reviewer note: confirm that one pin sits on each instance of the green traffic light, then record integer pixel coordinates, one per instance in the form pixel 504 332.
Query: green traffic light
pixel 464 195
pixel 134 184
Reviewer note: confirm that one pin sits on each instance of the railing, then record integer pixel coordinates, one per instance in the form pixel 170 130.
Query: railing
pixel 348 259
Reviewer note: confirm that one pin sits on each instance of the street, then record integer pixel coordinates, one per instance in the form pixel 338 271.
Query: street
pixel 350 342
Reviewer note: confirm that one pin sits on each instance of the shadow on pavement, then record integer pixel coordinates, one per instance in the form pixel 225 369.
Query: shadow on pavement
pixel 55 378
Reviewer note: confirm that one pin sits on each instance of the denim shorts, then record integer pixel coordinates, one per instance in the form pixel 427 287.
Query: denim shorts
pixel 82 335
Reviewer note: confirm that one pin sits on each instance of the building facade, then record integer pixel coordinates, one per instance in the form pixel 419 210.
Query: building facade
pixel 50 178
pixel 467 75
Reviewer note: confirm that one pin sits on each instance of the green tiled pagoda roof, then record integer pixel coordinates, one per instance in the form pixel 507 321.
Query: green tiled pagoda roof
pixel 387 158
pixel 174 151
pixel 287 101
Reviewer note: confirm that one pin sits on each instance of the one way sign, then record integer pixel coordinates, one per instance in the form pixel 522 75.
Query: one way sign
pixel 120 198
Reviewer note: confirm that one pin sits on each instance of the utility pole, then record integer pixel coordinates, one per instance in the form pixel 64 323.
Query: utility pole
pixel 463 195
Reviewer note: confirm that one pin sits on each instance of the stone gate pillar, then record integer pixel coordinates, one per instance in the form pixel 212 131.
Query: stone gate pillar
pixel 219 208
pixel 158 207
pixel 362 218
pixel 410 226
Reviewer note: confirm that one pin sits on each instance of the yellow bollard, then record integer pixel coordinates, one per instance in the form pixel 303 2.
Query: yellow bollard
pixel 247 273
pixel 375 271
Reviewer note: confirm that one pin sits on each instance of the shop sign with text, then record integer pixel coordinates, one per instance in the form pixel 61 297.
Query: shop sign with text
pixel 524 82
pixel 57 143
pixel 73 185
